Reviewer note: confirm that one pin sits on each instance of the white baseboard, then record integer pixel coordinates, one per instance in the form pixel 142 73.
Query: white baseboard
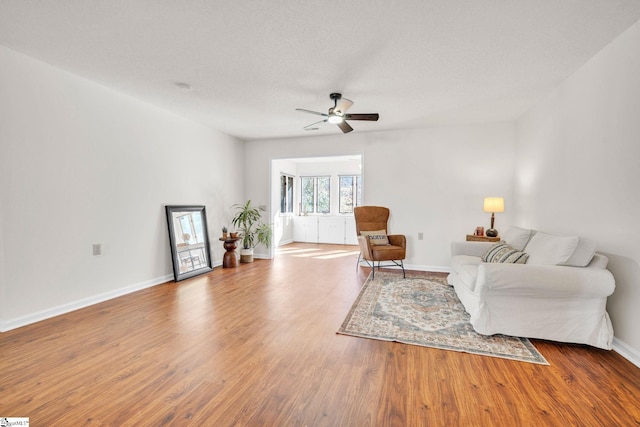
pixel 434 268
pixel 9 324
pixel 624 350
pixel 261 256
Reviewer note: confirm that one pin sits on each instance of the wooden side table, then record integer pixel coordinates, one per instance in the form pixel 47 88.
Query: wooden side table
pixel 229 259
pixel 474 238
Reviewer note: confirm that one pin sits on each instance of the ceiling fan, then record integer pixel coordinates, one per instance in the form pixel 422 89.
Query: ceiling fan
pixel 337 114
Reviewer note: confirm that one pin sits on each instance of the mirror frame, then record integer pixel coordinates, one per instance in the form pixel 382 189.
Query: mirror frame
pixel 175 258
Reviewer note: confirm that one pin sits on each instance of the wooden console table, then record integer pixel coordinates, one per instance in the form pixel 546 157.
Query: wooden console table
pixel 474 238
pixel 230 259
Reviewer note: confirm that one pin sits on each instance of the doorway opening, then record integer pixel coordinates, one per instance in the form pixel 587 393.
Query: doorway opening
pixel 315 197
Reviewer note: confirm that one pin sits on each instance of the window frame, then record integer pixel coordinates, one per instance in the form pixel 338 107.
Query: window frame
pixel 287 190
pixel 315 196
pixel 356 192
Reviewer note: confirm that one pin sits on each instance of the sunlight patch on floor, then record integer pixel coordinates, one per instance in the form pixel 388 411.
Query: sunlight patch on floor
pixel 344 254
pixel 294 251
pixel 327 254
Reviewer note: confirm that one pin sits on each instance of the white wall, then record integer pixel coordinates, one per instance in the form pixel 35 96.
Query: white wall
pixel 577 168
pixel 433 180
pixel 81 164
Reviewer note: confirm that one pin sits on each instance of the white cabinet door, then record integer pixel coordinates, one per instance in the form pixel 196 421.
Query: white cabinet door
pixel 299 229
pixel 339 230
pixel 350 231
pixel 305 229
pixel 311 233
pixel 331 229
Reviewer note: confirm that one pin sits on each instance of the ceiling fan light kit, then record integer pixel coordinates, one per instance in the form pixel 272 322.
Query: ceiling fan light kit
pixel 337 114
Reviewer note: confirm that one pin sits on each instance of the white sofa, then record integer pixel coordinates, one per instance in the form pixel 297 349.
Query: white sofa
pixel 559 294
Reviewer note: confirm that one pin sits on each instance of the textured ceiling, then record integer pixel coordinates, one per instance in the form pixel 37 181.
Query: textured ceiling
pixel 252 63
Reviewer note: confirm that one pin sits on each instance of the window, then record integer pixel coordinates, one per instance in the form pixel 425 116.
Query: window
pixel 316 192
pixel 350 192
pixel 190 226
pixel 286 194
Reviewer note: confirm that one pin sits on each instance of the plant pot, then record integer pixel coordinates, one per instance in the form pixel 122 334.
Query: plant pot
pixel 246 255
pixel 224 236
pixel 234 235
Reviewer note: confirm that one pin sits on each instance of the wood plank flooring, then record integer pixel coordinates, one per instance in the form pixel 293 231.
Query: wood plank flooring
pixel 256 346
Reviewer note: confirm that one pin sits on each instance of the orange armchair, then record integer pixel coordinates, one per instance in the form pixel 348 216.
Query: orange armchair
pixel 378 246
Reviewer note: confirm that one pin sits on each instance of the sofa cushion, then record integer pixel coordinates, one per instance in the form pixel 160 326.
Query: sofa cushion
pixel 598 261
pixel 387 252
pixel 378 237
pixel 517 237
pixel 505 253
pixel 550 249
pixel 583 254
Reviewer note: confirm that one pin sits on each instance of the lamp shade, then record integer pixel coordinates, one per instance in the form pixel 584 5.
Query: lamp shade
pixel 493 204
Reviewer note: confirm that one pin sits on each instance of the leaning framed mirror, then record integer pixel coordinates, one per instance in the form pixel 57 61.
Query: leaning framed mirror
pixel 188 241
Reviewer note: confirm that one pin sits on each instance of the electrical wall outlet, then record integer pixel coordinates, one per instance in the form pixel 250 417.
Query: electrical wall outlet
pixel 420 235
pixel 97 249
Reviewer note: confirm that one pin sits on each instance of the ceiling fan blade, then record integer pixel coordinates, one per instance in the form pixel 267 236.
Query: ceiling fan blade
pixel 370 117
pixel 344 127
pixel 311 126
pixel 342 105
pixel 311 112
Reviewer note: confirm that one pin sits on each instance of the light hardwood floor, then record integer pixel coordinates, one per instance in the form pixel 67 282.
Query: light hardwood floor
pixel 257 345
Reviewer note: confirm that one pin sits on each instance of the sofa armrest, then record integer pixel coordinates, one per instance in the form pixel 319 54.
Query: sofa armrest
pixel 470 248
pixel 544 281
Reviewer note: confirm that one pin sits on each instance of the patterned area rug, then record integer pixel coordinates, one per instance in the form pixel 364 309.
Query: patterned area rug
pixel 426 311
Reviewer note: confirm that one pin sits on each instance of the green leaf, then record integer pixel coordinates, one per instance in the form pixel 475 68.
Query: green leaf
pixel 248 221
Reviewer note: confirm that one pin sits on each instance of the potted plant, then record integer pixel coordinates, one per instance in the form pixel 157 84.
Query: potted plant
pixel 248 221
pixel 224 233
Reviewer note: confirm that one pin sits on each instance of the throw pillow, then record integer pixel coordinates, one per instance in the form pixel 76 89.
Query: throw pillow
pixel 504 253
pixel 583 254
pixel 514 257
pixel 377 238
pixel 549 249
pixel 517 237
pixel 493 251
